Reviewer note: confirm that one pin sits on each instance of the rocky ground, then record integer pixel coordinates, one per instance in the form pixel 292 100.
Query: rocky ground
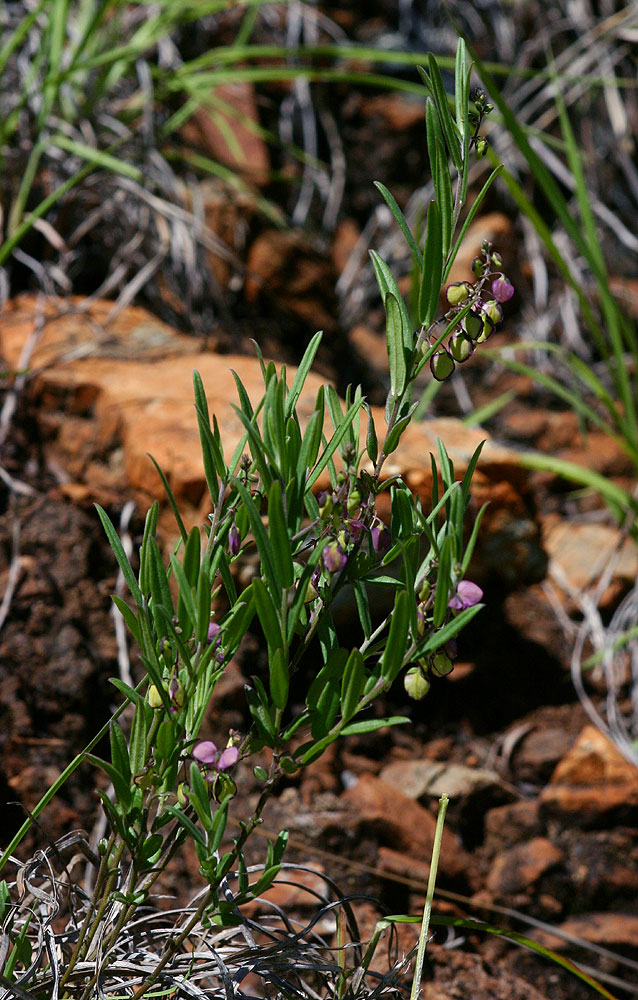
pixel 544 809
pixel 542 829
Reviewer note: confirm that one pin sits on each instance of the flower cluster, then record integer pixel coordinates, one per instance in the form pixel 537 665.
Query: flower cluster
pixel 440 663
pixel 485 297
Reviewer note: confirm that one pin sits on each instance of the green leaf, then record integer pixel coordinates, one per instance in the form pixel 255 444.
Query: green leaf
pixel 448 125
pixel 334 443
pixel 128 616
pixel 279 678
pixel 442 595
pixel 445 200
pixel 137 747
pixel 372 725
pixel 430 286
pixel 387 284
pixel 207 440
pixel 394 342
pixel 119 751
pixel 187 823
pixel 352 684
pixel 279 535
pixel 401 222
pixel 165 739
pixel 120 555
pixel 395 646
pixel 302 373
pixel 203 608
pixel 266 554
pixel 267 614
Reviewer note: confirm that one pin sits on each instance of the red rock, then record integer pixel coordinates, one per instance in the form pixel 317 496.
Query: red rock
pixel 457 975
pixel 402 824
pixel 519 868
pixel 507 825
pixel 592 784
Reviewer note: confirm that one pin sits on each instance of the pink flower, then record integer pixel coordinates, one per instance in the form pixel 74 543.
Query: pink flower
pixel 216 760
pixel 502 289
pixel 467 595
pixel 333 557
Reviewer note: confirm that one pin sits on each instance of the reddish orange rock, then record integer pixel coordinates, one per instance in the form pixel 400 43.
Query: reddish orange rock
pixel 593 784
pixel 519 868
pixel 402 824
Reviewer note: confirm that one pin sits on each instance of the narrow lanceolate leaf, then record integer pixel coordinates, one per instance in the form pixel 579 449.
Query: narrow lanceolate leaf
pixel 120 555
pixel 302 373
pixel 430 287
pixel 264 547
pixel 267 614
pixel 448 125
pixel 395 646
pixel 394 342
pixel 352 684
pixel 387 283
pixel 334 443
pixel 279 535
pixel 206 437
pixel 443 188
pixel 279 678
pixel 443 582
pixel 401 222
pixel 119 751
pixel 137 747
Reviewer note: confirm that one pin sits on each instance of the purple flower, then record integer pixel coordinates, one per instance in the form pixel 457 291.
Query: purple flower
pixel 333 557
pixel 213 632
pixel 355 528
pixel 502 289
pixel 381 539
pixel 467 595
pixel 216 760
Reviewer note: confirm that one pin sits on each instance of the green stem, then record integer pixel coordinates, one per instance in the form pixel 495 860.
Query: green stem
pixel 427 909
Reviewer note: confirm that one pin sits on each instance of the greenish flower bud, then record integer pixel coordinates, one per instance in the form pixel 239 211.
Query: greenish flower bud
pixel 497 260
pixel 442 365
pixel 486 332
pixel 441 664
pixel 420 619
pixel 481 147
pixel 458 292
pixel 460 347
pixel 473 324
pixel 326 505
pixel 102 847
pixel 416 683
pixel 353 502
pixel 478 267
pixel 154 698
pixel 424 592
pixel 311 593
pixel 183 794
pixel 493 310
pixel 223 787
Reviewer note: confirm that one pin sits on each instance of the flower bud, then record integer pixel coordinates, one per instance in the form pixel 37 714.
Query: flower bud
pixel 502 289
pixel 442 365
pixel 478 267
pixel 496 259
pixel 424 592
pixel 182 794
pixel 213 632
pixel 486 332
pixel 493 310
pixel 354 501
pixel 311 593
pixel 326 505
pixel 416 683
pixel 234 540
pixel 381 539
pixel 441 665
pixel 333 557
pixel 154 698
pixel 458 292
pixel 473 324
pixel 420 619
pixel 176 694
pixel 481 147
pixel 460 347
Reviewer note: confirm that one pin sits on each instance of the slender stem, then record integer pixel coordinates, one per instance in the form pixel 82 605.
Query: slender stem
pixel 427 909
